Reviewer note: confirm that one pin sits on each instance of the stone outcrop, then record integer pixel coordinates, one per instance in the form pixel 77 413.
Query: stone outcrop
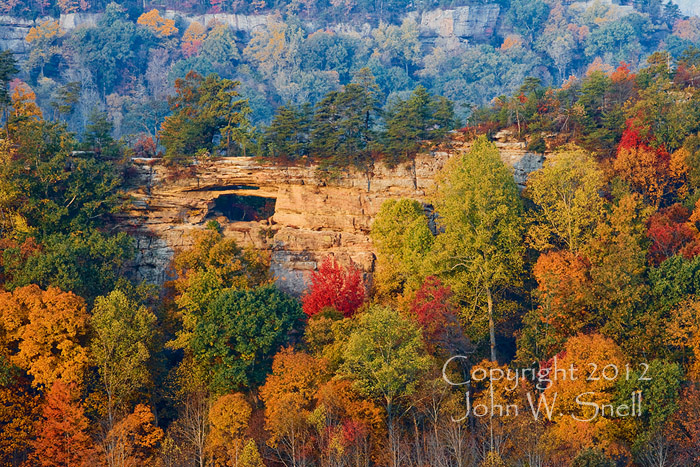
pixel 74 20
pixel 474 21
pixel 688 7
pixel 311 219
pixel 13 30
pixel 12 33
pixel 244 23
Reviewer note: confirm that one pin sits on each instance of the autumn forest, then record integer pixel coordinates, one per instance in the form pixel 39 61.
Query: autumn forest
pixel 553 321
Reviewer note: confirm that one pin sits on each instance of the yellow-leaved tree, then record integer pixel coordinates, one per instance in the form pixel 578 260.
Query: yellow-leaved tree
pixel 47 327
pixel 162 27
pixel 229 416
pixel 42 39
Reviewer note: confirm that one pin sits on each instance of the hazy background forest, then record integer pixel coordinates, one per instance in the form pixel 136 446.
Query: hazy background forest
pixel 594 260
pixel 125 61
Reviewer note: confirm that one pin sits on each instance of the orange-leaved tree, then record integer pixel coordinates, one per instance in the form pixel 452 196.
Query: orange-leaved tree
pixel 644 165
pixel 564 292
pixel 288 395
pixel 597 364
pixel 62 438
pixel 229 416
pixel 134 441
pixel 18 414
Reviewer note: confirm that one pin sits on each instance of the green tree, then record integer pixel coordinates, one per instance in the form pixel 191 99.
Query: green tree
pixel 328 51
pixel 480 249
pixel 8 68
pixel 592 458
pixel 111 47
pixel 220 47
pixel 63 191
pixel 614 38
pixel 342 132
pixel 527 16
pixel 98 136
pixel 386 359
pixel 602 121
pixel 65 97
pixel 212 265
pixel 287 136
pixel 122 345
pixel 412 123
pixel 203 108
pixel 240 332
pixel 403 239
pixel 85 263
pixel 660 387
pixel 400 43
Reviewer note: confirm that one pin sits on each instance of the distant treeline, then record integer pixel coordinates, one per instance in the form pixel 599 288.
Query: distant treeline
pixel 126 65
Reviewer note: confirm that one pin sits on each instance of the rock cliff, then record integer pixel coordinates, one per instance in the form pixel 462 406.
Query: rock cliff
pixel 476 22
pixel 285 211
pixel 12 33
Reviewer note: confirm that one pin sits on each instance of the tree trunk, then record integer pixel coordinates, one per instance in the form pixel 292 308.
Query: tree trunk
pixel 392 441
pixel 415 176
pixel 492 326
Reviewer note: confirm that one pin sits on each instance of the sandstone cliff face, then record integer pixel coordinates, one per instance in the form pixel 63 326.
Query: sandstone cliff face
pixel 688 7
pixel 310 219
pixel 13 30
pixel 245 23
pixel 12 33
pixel 475 21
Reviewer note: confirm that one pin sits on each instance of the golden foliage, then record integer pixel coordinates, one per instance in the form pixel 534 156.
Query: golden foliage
pixel 593 358
pixel 288 394
pixel 229 416
pixel 68 6
pixel 643 168
pixel 24 100
pixel 18 411
pixel 599 65
pixel 47 328
pixel 684 331
pixel 161 26
pixel 192 39
pixel 511 41
pixel 134 440
pixel 44 32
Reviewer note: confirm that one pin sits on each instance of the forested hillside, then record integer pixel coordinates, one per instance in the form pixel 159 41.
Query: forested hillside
pixel 555 325
pixel 124 60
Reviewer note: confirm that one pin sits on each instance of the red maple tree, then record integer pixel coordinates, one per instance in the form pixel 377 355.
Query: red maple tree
pixel 432 305
pixel 334 286
pixel 435 311
pixel 672 233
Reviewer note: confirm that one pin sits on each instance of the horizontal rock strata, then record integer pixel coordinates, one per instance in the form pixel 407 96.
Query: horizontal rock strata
pixel 311 219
